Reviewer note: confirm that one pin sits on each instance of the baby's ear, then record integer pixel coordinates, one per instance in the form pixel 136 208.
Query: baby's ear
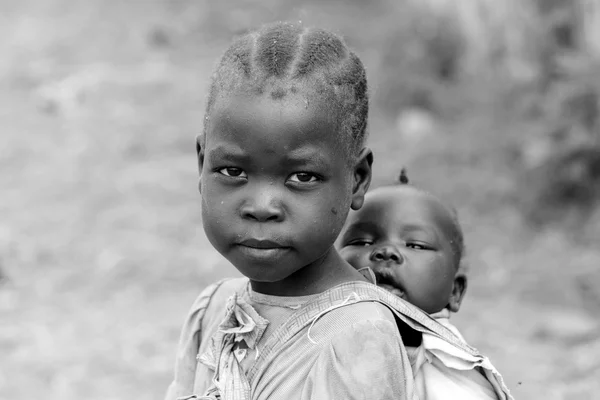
pixel 459 289
pixel 362 177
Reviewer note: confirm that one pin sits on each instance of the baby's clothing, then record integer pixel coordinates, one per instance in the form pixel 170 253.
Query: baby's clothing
pixel 442 371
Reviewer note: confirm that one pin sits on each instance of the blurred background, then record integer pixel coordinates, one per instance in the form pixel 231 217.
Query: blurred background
pixel 494 105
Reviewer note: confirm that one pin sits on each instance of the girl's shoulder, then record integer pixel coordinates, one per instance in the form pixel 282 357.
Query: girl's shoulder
pixel 208 309
pixel 212 300
pixel 410 319
pixel 202 318
pixel 349 309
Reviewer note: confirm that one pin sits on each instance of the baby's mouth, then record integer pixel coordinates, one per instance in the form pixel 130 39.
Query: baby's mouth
pixel 392 289
pixel 385 280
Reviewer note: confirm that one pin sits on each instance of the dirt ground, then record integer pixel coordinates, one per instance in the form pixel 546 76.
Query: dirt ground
pixel 101 245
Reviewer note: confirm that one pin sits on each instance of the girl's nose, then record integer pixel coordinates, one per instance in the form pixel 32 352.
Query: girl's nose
pixel 386 253
pixel 262 208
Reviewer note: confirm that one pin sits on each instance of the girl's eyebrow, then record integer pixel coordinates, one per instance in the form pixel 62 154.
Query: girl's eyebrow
pixel 221 152
pixel 305 155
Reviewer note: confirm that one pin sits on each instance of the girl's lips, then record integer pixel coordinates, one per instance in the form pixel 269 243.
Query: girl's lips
pixel 263 254
pixel 262 244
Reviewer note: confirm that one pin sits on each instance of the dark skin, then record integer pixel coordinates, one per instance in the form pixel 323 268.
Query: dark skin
pixel 405 236
pixel 276 188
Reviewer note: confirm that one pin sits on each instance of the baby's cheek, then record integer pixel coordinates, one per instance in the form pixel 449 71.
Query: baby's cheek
pixel 354 258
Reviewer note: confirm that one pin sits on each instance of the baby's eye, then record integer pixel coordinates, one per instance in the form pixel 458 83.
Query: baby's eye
pixel 360 242
pixel 417 246
pixel 233 172
pixel 303 177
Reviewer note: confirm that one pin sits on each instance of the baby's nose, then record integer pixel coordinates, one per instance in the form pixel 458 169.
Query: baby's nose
pixel 387 253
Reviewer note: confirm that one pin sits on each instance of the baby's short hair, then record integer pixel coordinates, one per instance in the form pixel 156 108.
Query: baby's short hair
pixel 282 56
pixel 458 240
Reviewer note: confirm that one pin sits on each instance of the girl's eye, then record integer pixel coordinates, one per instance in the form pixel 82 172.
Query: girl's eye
pixel 360 243
pixel 233 172
pixel 303 177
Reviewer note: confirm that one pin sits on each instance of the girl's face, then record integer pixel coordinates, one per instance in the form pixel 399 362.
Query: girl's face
pixel 276 186
pixel 404 236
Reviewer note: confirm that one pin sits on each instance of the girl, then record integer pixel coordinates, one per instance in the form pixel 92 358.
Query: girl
pixel 414 245
pixel 282 161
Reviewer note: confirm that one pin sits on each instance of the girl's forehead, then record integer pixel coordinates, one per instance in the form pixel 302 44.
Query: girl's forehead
pixel 294 108
pixel 260 125
pixel 294 118
pixel 283 93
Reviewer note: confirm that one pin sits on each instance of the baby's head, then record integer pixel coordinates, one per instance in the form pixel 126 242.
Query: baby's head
pixel 282 156
pixel 412 242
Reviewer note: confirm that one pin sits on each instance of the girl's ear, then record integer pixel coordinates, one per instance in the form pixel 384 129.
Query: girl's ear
pixel 362 177
pixel 200 155
pixel 458 292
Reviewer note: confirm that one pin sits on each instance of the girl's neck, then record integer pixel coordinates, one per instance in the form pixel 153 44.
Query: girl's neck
pixel 324 273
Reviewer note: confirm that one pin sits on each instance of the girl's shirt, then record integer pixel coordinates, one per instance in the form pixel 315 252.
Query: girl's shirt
pixel 343 343
pixel 338 344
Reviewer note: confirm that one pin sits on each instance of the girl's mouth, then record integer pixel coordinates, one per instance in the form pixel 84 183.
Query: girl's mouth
pixel 262 244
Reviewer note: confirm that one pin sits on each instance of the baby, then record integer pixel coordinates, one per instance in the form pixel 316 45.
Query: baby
pixel 414 245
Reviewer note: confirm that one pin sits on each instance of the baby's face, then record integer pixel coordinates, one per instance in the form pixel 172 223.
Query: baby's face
pixel 404 236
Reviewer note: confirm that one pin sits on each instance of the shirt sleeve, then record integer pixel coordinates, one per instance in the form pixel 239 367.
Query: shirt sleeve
pixel 189 343
pixel 366 361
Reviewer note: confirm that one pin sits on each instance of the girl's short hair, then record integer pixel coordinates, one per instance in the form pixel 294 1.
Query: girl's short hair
pixel 283 56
